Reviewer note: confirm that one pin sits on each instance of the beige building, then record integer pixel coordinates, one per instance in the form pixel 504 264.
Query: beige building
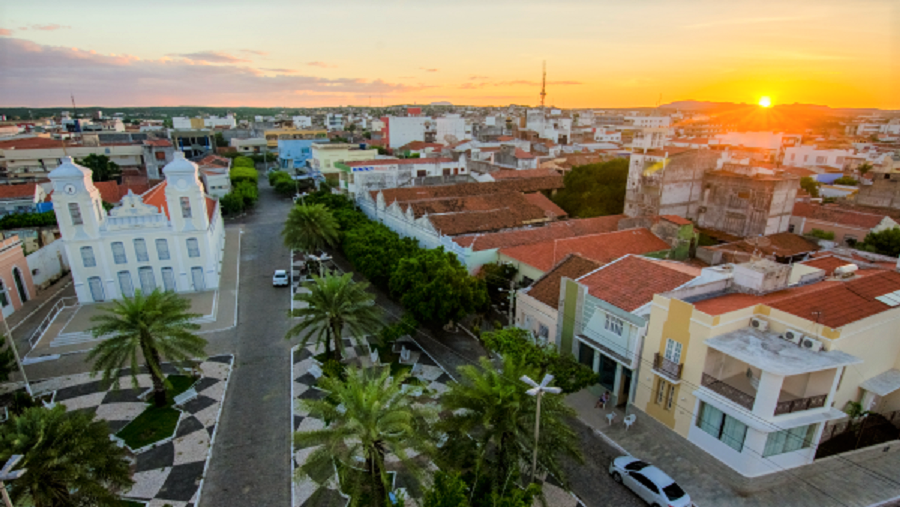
pixel 273 136
pixel 30 159
pixel 325 156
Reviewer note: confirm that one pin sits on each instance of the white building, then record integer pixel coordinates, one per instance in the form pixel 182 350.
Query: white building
pixel 302 122
pixel 370 175
pixel 219 121
pixel 334 121
pixel 452 126
pixel 810 155
pixel 403 130
pixel 648 121
pixel 171 237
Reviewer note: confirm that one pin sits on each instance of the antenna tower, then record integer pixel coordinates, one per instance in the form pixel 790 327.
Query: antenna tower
pixel 544 85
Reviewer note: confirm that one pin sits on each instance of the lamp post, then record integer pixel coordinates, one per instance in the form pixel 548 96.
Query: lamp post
pixel 12 345
pixel 6 475
pixel 538 390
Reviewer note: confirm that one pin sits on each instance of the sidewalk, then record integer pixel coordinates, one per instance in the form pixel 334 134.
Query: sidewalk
pixel 839 481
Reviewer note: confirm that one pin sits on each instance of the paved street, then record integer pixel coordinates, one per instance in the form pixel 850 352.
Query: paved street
pixel 251 458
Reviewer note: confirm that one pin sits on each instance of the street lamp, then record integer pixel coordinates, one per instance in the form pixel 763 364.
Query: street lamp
pixel 538 390
pixel 12 345
pixel 6 475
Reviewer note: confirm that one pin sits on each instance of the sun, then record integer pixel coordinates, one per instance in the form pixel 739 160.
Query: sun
pixel 765 102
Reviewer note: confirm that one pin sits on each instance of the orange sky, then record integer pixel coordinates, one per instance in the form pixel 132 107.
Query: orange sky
pixel 598 53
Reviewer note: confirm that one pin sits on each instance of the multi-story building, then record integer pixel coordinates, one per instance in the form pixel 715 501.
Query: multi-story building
pixel 16 284
pixel 273 136
pixel 157 153
pixel 30 159
pixel 325 156
pixel 334 121
pixel 250 145
pixel 401 130
pixel 648 121
pixel 193 143
pixel 811 156
pixel 22 198
pixel 214 172
pixel 667 182
pixel 371 175
pixel 295 153
pixel 848 226
pixel 171 237
pixel 302 122
pixel 452 128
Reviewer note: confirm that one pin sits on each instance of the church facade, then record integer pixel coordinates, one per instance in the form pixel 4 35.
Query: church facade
pixel 171 237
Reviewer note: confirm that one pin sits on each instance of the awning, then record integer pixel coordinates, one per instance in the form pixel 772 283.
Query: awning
pixel 883 384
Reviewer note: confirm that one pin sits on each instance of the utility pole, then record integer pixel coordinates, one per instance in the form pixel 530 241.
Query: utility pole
pixel 544 85
pixel 512 300
pixel 12 344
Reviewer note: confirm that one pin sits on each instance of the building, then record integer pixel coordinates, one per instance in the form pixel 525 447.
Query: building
pixel 811 156
pixel 883 190
pixel 157 153
pixel 171 237
pixel 847 225
pixel 185 123
pixel 334 121
pixel 23 198
pixel 16 284
pixel 193 143
pixel 514 158
pixel 752 370
pixel 325 156
pixel 647 121
pixel 249 145
pixel 667 182
pixel 214 173
pixel 302 122
pixel 402 130
pixel 783 247
pixel 273 136
pixel 369 175
pixel 452 128
pixel 31 159
pixel 294 154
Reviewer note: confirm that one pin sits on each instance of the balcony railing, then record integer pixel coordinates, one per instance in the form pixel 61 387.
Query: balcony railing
pixel 786 407
pixel 668 368
pixel 732 393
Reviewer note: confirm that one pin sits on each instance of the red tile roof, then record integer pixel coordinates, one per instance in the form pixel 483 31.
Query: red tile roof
pixel 109 191
pixel 602 248
pixel 553 230
pixel 158 142
pixel 214 161
pixel 551 210
pixel 421 145
pixel 31 143
pixel 782 244
pixel 546 288
pixel 18 191
pixel 675 219
pixel 827 264
pixel 630 282
pixel 835 215
pixel 505 174
pixel 464 189
pixel 520 153
pixel 505 138
pixel 156 196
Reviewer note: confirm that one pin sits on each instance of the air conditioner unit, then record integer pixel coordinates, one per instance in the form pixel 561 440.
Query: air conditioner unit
pixel 759 324
pixel 793 336
pixel 811 344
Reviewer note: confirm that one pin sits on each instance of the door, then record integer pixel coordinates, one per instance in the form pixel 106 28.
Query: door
pixel 168 275
pixel 96 288
pixel 197 278
pixel 626 387
pixel 125 284
pixel 4 300
pixel 20 284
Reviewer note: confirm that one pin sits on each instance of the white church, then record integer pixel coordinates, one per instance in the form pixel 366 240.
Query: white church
pixel 171 237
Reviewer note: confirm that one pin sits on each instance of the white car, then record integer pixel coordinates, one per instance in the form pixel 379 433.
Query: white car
pixel 280 278
pixel 648 482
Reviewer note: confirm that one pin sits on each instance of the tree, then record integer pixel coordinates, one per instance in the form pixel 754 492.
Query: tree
pixel 810 185
pixel 369 417
pixel 846 180
pixel 220 140
pixel 232 203
pixel 310 228
pixel 434 287
pixel 248 192
pixel 69 459
pixel 333 304
pixel 7 360
pixel 886 242
pixel 102 167
pixel 157 326
pixel 594 190
pixel 448 490
pixel 492 407
pixel 864 168
pixel 376 250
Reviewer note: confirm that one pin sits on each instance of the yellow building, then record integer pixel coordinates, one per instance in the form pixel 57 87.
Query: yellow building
pixel 752 369
pixel 272 136
pixel 325 156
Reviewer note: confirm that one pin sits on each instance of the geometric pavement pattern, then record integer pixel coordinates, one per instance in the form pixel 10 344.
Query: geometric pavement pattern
pixel 170 472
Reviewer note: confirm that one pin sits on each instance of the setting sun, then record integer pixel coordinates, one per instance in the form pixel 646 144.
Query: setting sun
pixel 765 102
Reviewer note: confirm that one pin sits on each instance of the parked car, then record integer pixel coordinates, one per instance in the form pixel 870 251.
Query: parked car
pixel 280 278
pixel 648 482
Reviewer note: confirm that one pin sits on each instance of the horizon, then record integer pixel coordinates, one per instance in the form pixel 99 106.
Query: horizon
pixel 598 54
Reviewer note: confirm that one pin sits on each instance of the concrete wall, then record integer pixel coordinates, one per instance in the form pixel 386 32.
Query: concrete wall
pixel 48 264
pixel 745 206
pixel 531 313
pixel 13 265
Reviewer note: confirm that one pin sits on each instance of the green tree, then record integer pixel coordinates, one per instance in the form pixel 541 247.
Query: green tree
pixel 157 326
pixel 310 228
pixel 68 459
pixel 369 417
pixel 248 192
pixel 448 490
pixel 434 287
pixel 493 408
pixel 102 168
pixel 886 242
pixel 810 185
pixel 846 180
pixel 7 360
pixel 244 161
pixel 864 168
pixel 376 250
pixel 335 304
pixel 243 174
pixel 232 203
pixel 594 190
pixel 220 140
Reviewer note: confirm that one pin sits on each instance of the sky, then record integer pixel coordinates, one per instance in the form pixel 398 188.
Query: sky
pixel 598 53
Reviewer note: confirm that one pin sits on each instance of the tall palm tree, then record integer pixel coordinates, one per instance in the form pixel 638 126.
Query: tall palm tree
pixel 369 418
pixel 157 325
pixel 309 228
pixel 68 457
pixel 333 304
pixel 493 408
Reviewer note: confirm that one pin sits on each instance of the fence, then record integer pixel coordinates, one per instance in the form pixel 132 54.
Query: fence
pixel 871 430
pixel 59 306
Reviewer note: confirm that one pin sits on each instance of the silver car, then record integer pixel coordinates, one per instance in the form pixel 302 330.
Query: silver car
pixel 280 278
pixel 648 482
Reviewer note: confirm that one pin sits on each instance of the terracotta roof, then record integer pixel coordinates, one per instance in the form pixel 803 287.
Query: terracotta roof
pixel 31 143
pixel 630 282
pixel 505 138
pixel 782 244
pixel 836 215
pixel 158 142
pixel 602 248
pixel 214 161
pixel 797 171
pixel 675 219
pixel 551 210
pixel 480 221
pixel 553 230
pixel 505 174
pixel 546 288
pixel 463 189
pixel 421 145
pixel 520 153
pixel 827 264
pixel 109 191
pixel 397 161
pixel 18 191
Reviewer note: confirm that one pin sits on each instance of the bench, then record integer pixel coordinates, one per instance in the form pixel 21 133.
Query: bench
pixel 185 397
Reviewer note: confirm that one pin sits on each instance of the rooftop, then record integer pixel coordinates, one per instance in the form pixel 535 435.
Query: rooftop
pixel 397 161
pixel 782 244
pixel 18 191
pixel 630 282
pixel 554 230
pixel 772 354
pixel 883 384
pixel 551 210
pixel 466 189
pixel 546 288
pixel 836 215
pixel 505 174
pixel 31 143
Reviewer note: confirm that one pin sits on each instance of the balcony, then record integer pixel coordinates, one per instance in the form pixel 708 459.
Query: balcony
pixel 668 368
pixel 727 390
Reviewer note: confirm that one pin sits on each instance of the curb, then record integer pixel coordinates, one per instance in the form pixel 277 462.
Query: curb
pixel 212 439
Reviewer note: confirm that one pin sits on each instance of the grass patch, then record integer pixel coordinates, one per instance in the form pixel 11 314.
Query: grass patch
pixel 131 503
pixel 156 423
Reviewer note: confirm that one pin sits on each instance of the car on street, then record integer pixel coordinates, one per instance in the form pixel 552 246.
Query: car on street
pixel 648 482
pixel 280 278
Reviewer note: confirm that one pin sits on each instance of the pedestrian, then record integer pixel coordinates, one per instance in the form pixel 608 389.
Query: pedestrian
pixel 604 399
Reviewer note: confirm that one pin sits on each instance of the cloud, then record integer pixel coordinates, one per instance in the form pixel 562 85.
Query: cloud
pixel 254 52
pixel 428 70
pixel 477 78
pixel 5 32
pixel 280 71
pixel 34 75
pixel 210 57
pixel 321 64
pixel 472 86
pixel 50 28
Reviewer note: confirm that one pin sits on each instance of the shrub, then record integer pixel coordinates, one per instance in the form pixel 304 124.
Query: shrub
pixel 26 220
pixel 820 234
pixel 242 174
pixel 846 180
pixel 248 192
pixel 243 161
pixel 232 203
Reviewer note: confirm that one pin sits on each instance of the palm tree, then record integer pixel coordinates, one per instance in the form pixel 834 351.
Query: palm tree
pixel 369 418
pixel 335 303
pixel 157 326
pixel 68 457
pixel 309 228
pixel 493 408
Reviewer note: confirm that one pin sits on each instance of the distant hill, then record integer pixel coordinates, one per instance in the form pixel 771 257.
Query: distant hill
pixel 441 103
pixel 698 105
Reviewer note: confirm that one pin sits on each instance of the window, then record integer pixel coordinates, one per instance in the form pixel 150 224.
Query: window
pixel 185 207
pixel 140 250
pixel 168 275
pixel 96 286
pixel 75 213
pixel 118 250
pixel 791 228
pixel 662 387
pixel 162 249
pixel 160 155
pixel 125 284
pixel 193 247
pixel 421 173
pixel 670 399
pixel 447 171
pixel 790 440
pixel 850 240
pixel 645 482
pixel 722 426
pixel 673 351
pixel 820 160
pixel 614 324
pixel 148 281
pixel 87 257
